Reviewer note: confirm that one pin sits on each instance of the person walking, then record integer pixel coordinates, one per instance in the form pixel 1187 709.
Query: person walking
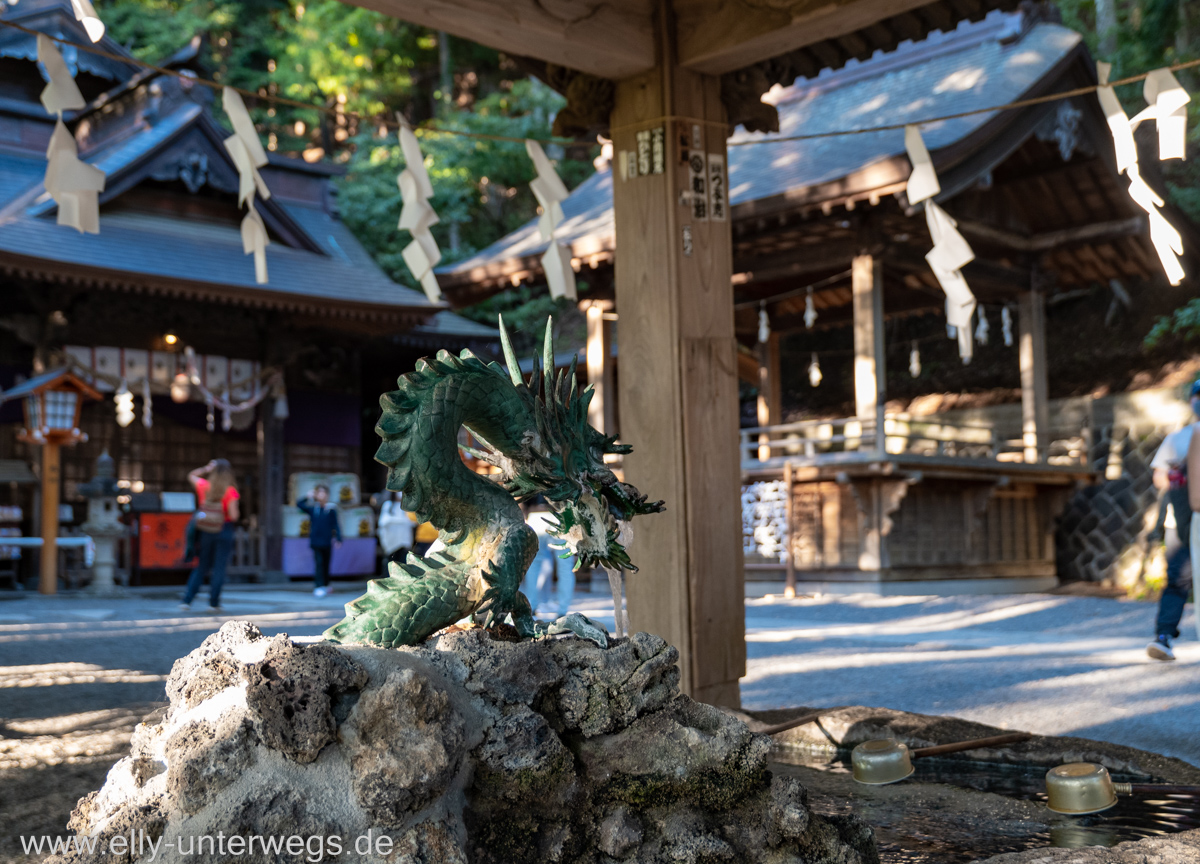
pixel 324 534
pixel 548 568
pixel 217 500
pixel 1171 470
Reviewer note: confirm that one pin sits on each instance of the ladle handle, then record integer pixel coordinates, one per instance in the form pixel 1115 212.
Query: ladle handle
pixel 1162 788
pixel 958 746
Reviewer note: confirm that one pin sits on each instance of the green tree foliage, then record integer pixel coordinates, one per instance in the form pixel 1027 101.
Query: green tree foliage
pixel 358 62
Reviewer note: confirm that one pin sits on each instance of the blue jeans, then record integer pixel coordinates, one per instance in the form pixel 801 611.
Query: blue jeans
pixel 213 556
pixel 1175 595
pixel 321 555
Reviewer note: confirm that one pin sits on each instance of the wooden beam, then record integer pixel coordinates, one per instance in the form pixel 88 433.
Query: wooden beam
pixel 1047 240
pixel 613 39
pixel 719 37
pixel 1035 395
pixel 678 382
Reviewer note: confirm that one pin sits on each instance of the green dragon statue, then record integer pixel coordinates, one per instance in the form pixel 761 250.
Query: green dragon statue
pixel 537 435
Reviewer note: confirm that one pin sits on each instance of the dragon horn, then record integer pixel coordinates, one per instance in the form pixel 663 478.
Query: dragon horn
pixel 548 359
pixel 510 357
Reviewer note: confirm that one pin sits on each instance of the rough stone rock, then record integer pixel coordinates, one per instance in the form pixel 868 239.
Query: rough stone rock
pixel 465 750
pixel 1182 848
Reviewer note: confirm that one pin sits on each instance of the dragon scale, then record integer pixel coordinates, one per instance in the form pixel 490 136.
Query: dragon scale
pixel 537 435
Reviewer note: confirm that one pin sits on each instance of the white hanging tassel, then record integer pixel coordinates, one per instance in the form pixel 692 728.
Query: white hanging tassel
pixel 764 324
pixel 983 328
pixel 226 414
pixel 147 404
pixel 966 341
pixel 1168 108
pixel 86 14
pixel 950 253
pixel 814 371
pixel 417 215
pixel 1166 240
pixel 281 403
pixel 914 360
pixel 810 311
pixel 210 420
pixel 248 155
pixel 74 185
pixel 1006 326
pixel 550 192
pixel 923 181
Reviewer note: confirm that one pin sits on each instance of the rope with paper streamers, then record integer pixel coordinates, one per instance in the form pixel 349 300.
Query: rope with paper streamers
pixel 380 122
pixel 248 155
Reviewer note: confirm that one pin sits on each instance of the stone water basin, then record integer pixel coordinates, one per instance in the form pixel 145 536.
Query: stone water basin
pixel 955 811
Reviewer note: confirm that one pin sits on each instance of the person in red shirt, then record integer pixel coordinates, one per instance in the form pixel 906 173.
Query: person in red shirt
pixel 217 503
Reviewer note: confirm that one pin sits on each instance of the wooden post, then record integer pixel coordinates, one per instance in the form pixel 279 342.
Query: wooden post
pixel 870 374
pixel 678 384
pixel 599 367
pixel 271 486
pixel 789 584
pixel 770 393
pixel 51 480
pixel 1035 388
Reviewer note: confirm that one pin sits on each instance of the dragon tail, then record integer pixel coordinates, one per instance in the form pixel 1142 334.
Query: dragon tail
pixel 422 596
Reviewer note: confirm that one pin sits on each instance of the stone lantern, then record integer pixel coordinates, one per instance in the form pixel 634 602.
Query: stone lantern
pixel 103 523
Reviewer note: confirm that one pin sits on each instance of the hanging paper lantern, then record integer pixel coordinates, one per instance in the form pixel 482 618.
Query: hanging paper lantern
pixel 914 360
pixel 181 388
pixel 124 400
pixel 814 371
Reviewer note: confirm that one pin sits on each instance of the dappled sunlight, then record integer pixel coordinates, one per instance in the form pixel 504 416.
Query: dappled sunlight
pixel 960 80
pixel 83 738
pixel 64 631
pixel 56 674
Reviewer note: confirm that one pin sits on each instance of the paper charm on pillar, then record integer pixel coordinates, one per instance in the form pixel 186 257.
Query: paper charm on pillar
pixel 950 253
pixel 1168 108
pixel 147 404
pixel 417 216
pixel 86 14
pixel 983 328
pixel 814 371
pixel 923 181
pixel 1006 326
pixel 764 324
pixel 810 311
pixel 74 185
pixel 248 155
pixel 914 360
pixel 550 192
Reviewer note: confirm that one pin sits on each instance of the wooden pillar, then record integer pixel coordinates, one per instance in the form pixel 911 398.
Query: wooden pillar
pixel 599 366
pixel 678 383
pixel 271 486
pixel 770 392
pixel 870 374
pixel 789 509
pixel 51 482
pixel 1035 388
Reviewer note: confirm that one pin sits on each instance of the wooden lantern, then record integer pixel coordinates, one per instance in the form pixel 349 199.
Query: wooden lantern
pixel 52 403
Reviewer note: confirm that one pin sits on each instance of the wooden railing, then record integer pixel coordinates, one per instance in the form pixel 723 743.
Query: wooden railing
pixel 812 439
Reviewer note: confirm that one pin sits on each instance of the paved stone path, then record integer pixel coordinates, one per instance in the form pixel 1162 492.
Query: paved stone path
pixel 1050 664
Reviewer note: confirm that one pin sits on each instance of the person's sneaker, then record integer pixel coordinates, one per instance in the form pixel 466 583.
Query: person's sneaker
pixel 185 607
pixel 320 592
pixel 1160 649
pixel 215 610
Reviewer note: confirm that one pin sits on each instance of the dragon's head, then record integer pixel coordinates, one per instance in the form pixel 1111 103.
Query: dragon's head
pixel 563 461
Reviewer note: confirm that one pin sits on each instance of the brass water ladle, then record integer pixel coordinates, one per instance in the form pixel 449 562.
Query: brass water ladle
pixel 1082 788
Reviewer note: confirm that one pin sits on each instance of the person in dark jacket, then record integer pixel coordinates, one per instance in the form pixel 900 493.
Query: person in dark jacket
pixel 324 534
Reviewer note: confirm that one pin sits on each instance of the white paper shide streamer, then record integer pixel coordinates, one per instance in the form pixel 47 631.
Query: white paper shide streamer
pixel 74 185
pixel 950 251
pixel 248 155
pixel 85 13
pixel 417 215
pixel 550 192
pixel 1168 109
